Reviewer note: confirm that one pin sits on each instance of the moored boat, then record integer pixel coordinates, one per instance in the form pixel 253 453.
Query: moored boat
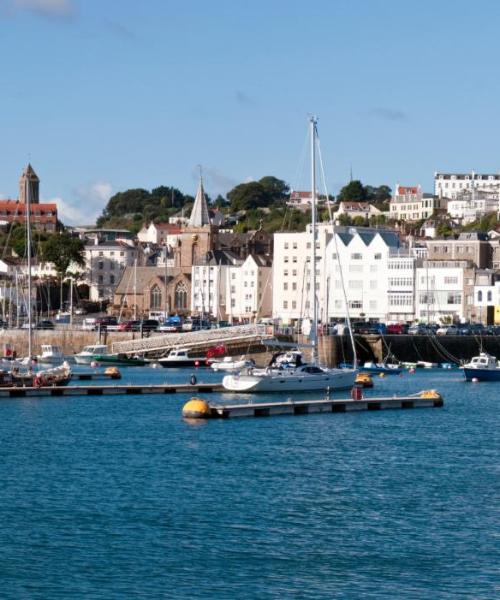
pixel 484 367
pixel 179 357
pixel 386 368
pixel 88 354
pixel 51 354
pixel 123 360
pixel 231 365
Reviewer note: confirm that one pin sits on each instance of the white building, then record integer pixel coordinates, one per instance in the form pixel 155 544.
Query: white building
pixel 449 185
pixel 439 291
pixel 157 233
pixel 369 258
pixel 471 206
pixel 365 210
pixel 104 264
pixel 226 287
pixel 409 203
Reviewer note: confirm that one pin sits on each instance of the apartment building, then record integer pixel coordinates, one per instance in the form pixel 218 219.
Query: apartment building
pixel 409 203
pixel 451 185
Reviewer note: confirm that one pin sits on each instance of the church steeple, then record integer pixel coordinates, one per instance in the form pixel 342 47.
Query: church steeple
pixel 31 177
pixel 199 215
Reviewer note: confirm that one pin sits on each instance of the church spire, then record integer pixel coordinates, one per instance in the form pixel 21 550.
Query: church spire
pixel 31 178
pixel 199 215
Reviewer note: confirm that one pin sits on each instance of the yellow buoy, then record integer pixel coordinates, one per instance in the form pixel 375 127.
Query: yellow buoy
pixel 196 408
pixel 364 380
pixel 434 394
pixel 381 375
pixel 113 372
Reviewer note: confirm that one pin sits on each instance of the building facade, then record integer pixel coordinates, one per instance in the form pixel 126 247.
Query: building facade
pixel 450 185
pixel 409 203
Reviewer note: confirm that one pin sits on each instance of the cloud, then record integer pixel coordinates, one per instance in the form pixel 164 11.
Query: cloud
pixel 89 202
pixel 388 114
pixel 243 99
pixel 47 8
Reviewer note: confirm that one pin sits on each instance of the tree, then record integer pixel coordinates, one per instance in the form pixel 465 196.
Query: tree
pixel 62 249
pixel 248 195
pixel 276 189
pixel 354 191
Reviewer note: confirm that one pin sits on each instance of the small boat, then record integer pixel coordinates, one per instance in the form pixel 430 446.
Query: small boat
pixel 122 360
pixel 179 357
pixel 88 354
pixel 484 367
pixel 230 365
pixel 386 368
pixel 51 354
pixel 424 364
pixel 55 376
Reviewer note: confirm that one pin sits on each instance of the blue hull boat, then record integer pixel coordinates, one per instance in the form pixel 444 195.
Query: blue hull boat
pixel 482 368
pixel 370 367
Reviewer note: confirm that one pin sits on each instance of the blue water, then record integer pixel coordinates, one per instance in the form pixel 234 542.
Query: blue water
pixel 118 497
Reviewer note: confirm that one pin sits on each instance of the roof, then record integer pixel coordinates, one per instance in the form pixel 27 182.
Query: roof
pixel 219 258
pixel 199 215
pixel 140 277
pixel 19 207
pixel 30 173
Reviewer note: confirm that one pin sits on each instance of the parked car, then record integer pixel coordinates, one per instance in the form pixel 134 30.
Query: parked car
pixel 418 329
pixel 103 323
pixel 45 324
pixel 397 328
pixel 448 330
pixel 129 326
pixel 367 328
pixel 3 324
pixel 149 325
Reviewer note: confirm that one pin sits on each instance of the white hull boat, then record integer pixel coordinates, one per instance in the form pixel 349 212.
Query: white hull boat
pixel 89 353
pixel 230 365
pixel 51 354
pixel 304 378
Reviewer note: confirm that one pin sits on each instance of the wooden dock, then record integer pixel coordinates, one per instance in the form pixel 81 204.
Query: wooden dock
pixel 93 376
pixel 109 390
pixel 306 407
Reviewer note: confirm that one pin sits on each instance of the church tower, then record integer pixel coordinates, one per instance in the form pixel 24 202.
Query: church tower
pixel 199 215
pixel 29 176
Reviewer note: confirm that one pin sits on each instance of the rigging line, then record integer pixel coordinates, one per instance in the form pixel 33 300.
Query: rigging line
pixel 335 241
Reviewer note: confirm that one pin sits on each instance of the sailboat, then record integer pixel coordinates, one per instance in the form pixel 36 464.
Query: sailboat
pixel 17 376
pixel 298 376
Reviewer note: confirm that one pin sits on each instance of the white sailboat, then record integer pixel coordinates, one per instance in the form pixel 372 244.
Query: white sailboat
pixel 298 376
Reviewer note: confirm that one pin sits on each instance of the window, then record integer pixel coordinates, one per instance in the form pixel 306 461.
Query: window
pixel 489 296
pixel 294 245
pixel 294 285
pixel 99 279
pixel 334 256
pixel 285 304
pixel 233 275
pixel 155 297
pixel 356 256
pixel 181 295
pixel 112 279
pixel 480 296
pixel 356 304
pixel 377 256
pixel 294 259
pixel 285 273
pixel 454 298
pixel 286 246
pixel 111 265
pixel 355 285
pixel 285 259
pixel 294 273
pixel 285 286
pixel 294 304
pixel 451 280
pixel 233 289
pixel 100 264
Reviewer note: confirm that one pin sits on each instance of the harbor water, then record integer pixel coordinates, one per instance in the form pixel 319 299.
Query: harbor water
pixel 118 497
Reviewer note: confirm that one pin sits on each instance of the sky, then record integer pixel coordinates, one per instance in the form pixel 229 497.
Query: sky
pixel 105 95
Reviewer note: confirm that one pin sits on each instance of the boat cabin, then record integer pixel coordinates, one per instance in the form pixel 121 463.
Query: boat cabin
pixel 483 361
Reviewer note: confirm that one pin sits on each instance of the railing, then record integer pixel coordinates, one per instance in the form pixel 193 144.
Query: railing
pixel 195 339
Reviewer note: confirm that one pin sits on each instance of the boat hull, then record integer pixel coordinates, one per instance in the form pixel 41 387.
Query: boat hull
pixel 481 374
pixel 290 382
pixel 120 362
pixel 188 362
pixel 385 370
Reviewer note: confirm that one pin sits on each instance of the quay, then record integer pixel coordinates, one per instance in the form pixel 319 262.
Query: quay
pixel 108 390
pixel 198 408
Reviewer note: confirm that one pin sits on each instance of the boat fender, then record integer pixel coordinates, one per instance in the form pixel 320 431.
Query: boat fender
pixel 38 381
pixel 193 379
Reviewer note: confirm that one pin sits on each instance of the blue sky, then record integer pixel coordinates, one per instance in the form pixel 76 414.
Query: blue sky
pixel 103 95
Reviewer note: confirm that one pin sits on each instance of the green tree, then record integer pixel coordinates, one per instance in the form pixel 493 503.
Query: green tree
pixel 62 249
pixel 248 195
pixel 276 189
pixel 354 191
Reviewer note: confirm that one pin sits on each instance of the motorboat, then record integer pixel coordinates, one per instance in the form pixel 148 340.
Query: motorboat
pixel 88 354
pixel 484 367
pixel 179 357
pixel 424 364
pixel 122 360
pixel 386 368
pixel 51 354
pixel 232 365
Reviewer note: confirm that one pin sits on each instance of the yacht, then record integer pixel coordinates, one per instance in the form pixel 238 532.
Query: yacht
pixel 178 357
pixel 231 365
pixel 51 354
pixel 291 374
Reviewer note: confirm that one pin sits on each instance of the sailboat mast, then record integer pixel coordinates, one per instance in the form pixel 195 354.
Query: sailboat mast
pixel 28 246
pixel 314 328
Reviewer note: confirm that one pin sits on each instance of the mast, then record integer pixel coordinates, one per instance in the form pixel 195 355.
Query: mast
pixel 314 328
pixel 135 289
pixel 28 245
pixel 165 304
pixel 71 301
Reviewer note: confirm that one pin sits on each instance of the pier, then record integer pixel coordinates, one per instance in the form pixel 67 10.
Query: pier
pixel 108 390
pixel 198 408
